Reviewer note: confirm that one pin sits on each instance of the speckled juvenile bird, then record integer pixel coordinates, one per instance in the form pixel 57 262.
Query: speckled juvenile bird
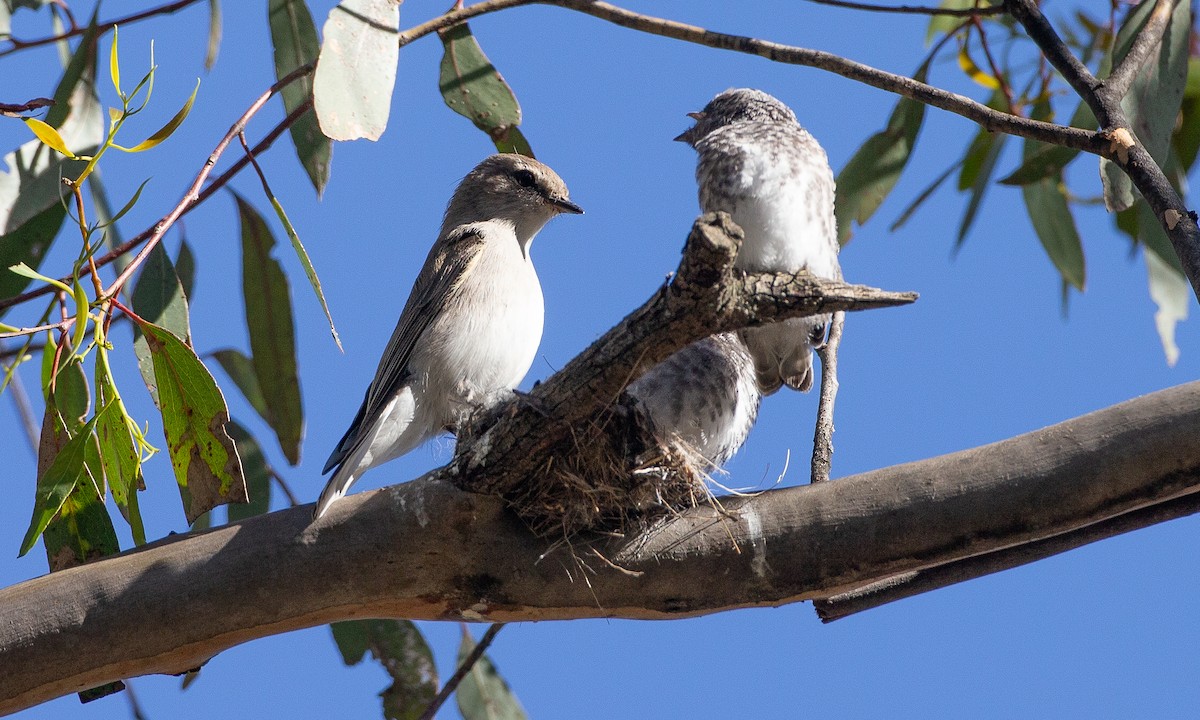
pixel 705 395
pixel 759 165
pixel 472 323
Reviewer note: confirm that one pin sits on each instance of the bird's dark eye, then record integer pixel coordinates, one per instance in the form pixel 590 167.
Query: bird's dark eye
pixel 525 178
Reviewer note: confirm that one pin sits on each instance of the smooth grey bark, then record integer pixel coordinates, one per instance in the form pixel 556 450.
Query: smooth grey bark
pixel 428 550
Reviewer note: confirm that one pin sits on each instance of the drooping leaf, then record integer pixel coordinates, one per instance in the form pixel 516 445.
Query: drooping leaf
pixel 239 369
pixel 185 268
pixel 158 298
pixel 49 136
pixel 352 90
pixel 513 141
pixel 924 195
pixel 64 469
pixel 294 37
pixel 874 169
pixel 1172 294
pixel 272 337
pixel 120 458
pixel 71 394
pixel 81 531
pixel 27 245
pixel 981 77
pixel 399 646
pixel 214 34
pixel 258 478
pixel 1153 102
pixel 1046 202
pixel 473 88
pixel 483 694
pixel 194 416
pixel 987 152
pixel 1186 140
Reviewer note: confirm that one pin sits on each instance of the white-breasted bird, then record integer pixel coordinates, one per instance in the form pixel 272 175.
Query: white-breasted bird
pixel 472 323
pixel 758 164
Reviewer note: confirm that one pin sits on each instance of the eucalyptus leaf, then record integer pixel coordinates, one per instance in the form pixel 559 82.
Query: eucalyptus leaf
pixel 352 89
pixel 401 649
pixel 194 414
pixel 158 298
pixel 875 168
pixel 483 693
pixel 473 88
pixel 1170 291
pixel 258 476
pixel 294 38
pixel 272 335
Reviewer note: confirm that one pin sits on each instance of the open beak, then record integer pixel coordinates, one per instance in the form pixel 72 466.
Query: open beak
pixel 565 205
pixel 686 135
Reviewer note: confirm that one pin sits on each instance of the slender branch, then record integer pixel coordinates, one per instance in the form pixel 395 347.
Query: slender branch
pixel 1060 56
pixel 822 458
pixel 460 673
pixel 915 9
pixel 189 203
pixel 1117 84
pixel 103 27
pixel 22 332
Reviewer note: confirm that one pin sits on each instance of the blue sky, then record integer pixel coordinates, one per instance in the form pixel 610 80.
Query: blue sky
pixel 1106 631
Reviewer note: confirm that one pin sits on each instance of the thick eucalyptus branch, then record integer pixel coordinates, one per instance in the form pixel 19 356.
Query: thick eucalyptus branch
pixel 429 551
pixel 1125 149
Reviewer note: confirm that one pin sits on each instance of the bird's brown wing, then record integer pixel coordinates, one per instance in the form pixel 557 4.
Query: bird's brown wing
pixel 448 263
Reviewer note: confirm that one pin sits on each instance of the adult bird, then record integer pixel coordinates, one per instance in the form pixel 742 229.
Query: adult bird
pixel 472 323
pixel 759 165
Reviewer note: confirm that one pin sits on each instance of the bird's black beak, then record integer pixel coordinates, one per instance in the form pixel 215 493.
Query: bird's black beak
pixel 687 135
pixel 565 205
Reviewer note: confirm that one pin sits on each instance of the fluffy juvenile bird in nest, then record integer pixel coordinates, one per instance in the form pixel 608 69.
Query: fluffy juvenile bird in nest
pixel 759 165
pixel 472 323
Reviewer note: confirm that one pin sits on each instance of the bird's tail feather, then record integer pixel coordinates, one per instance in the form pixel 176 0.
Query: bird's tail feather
pixel 337 486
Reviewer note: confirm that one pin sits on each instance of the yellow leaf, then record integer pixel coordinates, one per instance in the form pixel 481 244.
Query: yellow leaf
pixel 166 130
pixel 49 136
pixel 114 65
pixel 974 72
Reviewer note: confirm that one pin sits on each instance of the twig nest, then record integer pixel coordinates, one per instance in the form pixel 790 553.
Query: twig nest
pixel 603 477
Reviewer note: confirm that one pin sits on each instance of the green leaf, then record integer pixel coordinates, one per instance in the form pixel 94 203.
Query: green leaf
pixel 158 298
pixel 64 470
pixel 81 531
pixel 294 37
pixel 1153 102
pixel 874 169
pixel 1046 202
pixel 1049 160
pixel 512 141
pixel 399 646
pixel 924 195
pixel 214 34
pixel 981 176
pixel 473 88
pixel 167 130
pixel 194 416
pixel 27 245
pixel 1172 294
pixel 1186 140
pixel 258 476
pixel 483 694
pixel 72 396
pixel 272 337
pixel 352 89
pixel 239 369
pixel 185 268
pixel 118 453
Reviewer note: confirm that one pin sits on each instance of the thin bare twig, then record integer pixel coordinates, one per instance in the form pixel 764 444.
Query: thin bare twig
pixel 103 27
pixel 915 9
pixel 283 485
pixel 467 663
pixel 822 459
